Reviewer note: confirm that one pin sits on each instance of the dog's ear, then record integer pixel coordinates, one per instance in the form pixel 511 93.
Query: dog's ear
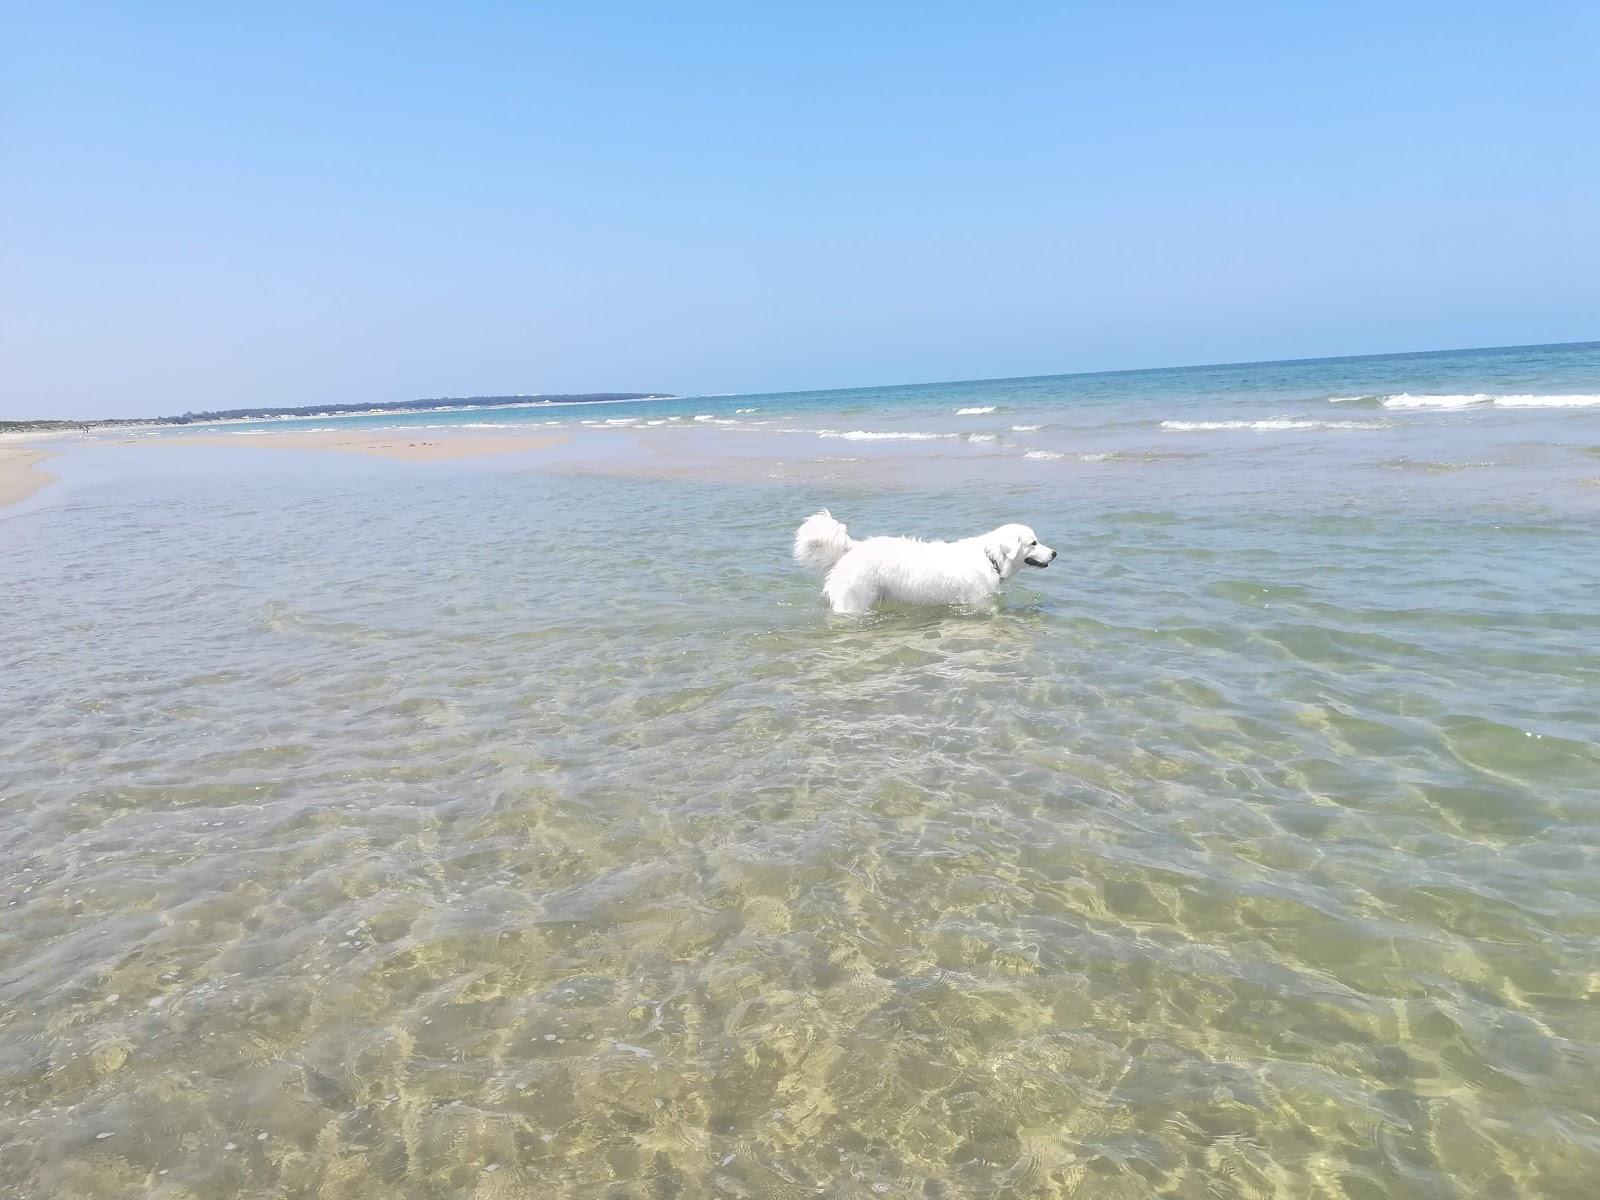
pixel 1005 552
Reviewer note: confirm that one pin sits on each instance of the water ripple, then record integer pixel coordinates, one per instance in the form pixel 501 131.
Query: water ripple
pixel 417 852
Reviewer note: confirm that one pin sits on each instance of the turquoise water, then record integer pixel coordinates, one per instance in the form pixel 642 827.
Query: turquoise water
pixel 1102 401
pixel 524 827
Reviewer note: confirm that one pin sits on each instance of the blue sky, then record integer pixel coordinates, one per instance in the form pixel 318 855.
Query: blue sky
pixel 219 205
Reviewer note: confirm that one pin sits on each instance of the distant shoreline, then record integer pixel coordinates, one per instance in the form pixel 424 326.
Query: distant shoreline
pixel 535 400
pixel 315 412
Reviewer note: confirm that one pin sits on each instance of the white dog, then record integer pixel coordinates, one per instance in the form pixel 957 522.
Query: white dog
pixel 907 570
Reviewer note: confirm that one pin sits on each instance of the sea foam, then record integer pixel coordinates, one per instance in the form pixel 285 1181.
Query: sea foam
pixel 1474 400
pixel 874 435
pixel 1273 425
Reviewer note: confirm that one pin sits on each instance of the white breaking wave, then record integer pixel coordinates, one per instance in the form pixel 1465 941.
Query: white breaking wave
pixel 1025 429
pixel 974 412
pixel 983 437
pixel 873 435
pixel 1406 400
pixel 1547 401
pixel 1043 454
pixel 1275 424
pixel 1490 400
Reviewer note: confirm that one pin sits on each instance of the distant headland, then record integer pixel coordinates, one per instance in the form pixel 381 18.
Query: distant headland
pixel 441 404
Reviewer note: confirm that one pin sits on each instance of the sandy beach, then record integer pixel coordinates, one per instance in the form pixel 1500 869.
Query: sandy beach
pixel 379 444
pixel 20 476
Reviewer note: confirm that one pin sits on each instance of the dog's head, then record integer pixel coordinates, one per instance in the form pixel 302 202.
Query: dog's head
pixel 1010 546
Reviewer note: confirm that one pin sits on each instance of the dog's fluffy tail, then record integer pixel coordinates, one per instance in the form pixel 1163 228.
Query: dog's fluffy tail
pixel 821 541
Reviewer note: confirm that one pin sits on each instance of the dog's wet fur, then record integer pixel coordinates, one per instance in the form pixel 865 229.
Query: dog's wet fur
pixel 857 576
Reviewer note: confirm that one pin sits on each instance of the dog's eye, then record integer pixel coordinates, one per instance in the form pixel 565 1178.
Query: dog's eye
pixel 1035 542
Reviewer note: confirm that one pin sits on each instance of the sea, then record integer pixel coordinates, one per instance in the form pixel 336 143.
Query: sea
pixel 524 827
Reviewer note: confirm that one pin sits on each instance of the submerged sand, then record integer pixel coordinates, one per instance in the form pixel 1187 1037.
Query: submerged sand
pixel 19 476
pixel 384 444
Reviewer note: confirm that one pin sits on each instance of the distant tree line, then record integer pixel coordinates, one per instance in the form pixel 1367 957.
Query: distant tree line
pixel 237 414
pixel 312 410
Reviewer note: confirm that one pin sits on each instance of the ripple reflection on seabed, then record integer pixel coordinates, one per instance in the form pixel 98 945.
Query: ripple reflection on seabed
pixel 370 855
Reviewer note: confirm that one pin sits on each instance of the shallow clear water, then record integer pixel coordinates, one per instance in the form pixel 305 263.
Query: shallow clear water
pixel 369 829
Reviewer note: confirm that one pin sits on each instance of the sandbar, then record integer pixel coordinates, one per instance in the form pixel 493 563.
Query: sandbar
pixel 19 477
pixel 380 444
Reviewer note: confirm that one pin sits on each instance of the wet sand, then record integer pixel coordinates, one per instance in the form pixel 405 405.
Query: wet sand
pixel 380 444
pixel 19 474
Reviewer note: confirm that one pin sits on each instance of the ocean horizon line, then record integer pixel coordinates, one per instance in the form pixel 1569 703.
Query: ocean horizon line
pixel 1204 366
pixel 568 399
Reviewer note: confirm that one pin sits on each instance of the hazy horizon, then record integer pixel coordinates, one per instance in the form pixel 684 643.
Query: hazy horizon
pixel 667 393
